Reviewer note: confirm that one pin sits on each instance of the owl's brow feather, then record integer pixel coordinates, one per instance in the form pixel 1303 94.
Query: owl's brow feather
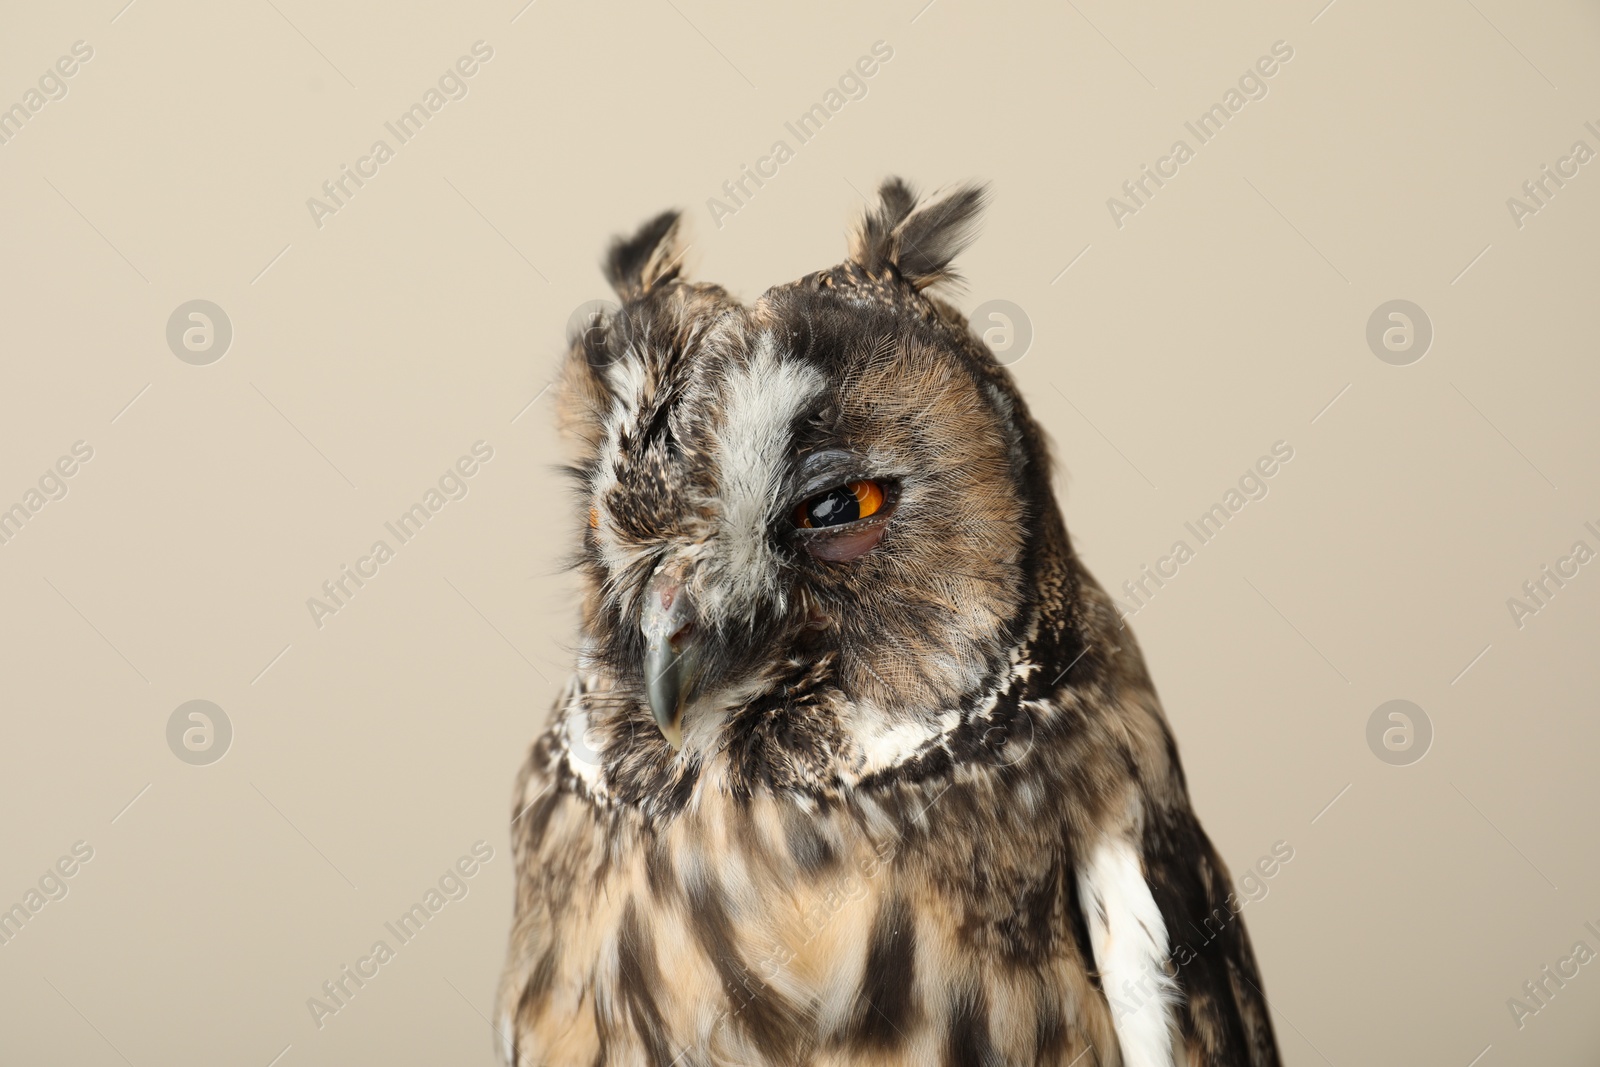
pixel 879 357
pixel 882 351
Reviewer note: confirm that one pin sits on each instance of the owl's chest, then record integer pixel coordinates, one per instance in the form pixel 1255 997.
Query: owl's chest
pixel 768 933
pixel 764 901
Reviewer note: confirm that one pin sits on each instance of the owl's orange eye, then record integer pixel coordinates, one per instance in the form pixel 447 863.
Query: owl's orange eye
pixel 594 518
pixel 839 505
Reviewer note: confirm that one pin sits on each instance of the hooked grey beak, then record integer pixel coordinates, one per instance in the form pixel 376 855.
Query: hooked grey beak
pixel 667 620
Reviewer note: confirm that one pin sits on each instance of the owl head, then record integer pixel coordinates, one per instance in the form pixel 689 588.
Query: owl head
pixel 812 524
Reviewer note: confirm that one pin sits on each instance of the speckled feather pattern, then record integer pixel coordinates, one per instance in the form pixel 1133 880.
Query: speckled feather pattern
pixel 872 847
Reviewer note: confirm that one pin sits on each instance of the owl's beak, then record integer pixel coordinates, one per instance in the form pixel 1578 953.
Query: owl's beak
pixel 667 620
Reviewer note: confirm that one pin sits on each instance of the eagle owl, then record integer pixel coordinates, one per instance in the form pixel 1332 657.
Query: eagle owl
pixel 858 765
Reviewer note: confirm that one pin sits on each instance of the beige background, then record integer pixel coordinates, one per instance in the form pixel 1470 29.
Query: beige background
pixel 369 754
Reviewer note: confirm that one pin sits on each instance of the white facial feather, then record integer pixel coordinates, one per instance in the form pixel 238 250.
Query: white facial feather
pixel 585 750
pixel 762 398
pixel 629 382
pixel 1129 939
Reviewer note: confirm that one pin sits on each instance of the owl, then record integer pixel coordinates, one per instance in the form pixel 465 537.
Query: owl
pixel 858 764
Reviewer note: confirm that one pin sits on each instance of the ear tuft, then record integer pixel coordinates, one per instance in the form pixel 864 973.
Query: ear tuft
pixel 633 265
pixel 919 241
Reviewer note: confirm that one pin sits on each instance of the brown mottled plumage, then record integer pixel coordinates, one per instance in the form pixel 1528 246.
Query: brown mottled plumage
pixel 893 791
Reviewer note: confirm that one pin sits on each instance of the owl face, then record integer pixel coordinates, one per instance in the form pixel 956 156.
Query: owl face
pixel 818 506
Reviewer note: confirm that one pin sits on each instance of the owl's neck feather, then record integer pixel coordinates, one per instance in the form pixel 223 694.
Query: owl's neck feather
pixel 1069 640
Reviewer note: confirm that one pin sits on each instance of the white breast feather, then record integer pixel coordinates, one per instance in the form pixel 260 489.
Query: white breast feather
pixel 1129 939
